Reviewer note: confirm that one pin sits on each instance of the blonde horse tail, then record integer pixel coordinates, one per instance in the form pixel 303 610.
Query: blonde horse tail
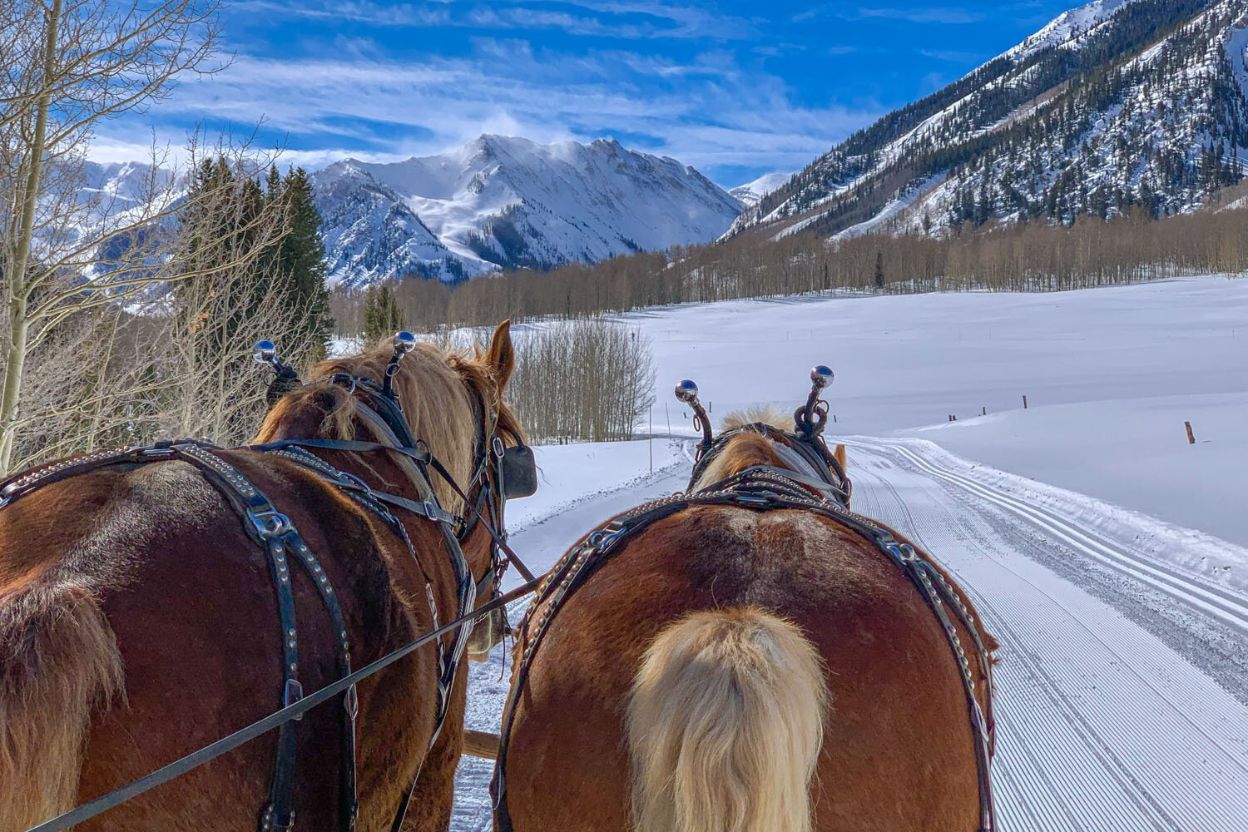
pixel 58 660
pixel 725 725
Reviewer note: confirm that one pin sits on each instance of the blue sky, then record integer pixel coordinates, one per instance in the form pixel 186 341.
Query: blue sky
pixel 736 89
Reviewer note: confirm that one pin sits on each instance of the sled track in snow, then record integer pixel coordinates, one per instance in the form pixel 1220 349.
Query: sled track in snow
pixel 1102 727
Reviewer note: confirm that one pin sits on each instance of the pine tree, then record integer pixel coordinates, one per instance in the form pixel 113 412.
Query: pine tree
pixel 382 316
pixel 301 261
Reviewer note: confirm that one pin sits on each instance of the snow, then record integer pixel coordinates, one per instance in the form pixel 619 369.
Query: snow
pixel 1069 28
pixel 507 201
pixel 1237 55
pixel 752 193
pixel 569 475
pixel 1111 376
pixel 1130 452
pixel 1123 680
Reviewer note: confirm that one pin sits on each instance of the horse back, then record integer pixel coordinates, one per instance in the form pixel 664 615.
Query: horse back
pixel 897 722
pixel 182 599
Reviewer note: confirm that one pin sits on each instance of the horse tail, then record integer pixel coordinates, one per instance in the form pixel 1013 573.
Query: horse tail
pixel 58 660
pixel 725 725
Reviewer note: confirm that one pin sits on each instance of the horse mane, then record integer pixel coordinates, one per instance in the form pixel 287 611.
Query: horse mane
pixel 768 414
pixel 432 386
pixel 745 450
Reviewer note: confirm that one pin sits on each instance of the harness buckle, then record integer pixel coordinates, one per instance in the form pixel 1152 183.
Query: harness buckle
pixel 499 448
pixel 291 694
pixel 269 523
pixel 606 535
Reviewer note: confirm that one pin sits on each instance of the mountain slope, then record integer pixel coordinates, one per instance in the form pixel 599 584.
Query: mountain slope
pixel 751 193
pixel 1118 105
pixel 505 202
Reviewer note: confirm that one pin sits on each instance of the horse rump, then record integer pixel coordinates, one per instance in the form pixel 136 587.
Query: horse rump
pixel 58 661
pixel 725 725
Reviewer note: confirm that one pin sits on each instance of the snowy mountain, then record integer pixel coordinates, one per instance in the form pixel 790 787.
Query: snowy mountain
pixel 503 202
pixel 751 193
pixel 1115 106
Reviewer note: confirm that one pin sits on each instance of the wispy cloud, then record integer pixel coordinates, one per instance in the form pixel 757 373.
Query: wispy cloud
pixel 707 112
pixel 948 15
pixel 625 20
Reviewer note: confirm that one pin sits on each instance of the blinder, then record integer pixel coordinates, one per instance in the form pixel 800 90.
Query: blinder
pixel 517 472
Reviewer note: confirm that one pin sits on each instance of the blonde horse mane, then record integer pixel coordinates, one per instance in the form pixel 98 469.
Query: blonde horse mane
pixel 769 414
pixel 432 386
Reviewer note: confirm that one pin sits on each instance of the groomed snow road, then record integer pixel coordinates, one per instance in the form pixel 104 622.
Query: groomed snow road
pixel 1122 679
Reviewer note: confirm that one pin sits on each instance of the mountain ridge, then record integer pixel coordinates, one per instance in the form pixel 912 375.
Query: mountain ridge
pixel 1116 105
pixel 502 202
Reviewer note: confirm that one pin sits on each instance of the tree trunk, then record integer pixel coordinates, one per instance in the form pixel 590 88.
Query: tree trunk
pixel 18 295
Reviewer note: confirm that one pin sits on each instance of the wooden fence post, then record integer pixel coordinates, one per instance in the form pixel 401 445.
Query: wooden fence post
pixel 1191 435
pixel 1024 401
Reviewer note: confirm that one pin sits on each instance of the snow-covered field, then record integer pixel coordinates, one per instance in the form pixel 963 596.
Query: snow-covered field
pixel 1120 604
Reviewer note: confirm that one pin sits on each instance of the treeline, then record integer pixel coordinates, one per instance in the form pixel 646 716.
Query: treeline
pixel 1031 257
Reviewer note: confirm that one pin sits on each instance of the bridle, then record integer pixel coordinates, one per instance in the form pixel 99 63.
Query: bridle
pixel 501 470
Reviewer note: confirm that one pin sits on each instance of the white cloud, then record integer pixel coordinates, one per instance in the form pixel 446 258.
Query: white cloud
pixel 706 112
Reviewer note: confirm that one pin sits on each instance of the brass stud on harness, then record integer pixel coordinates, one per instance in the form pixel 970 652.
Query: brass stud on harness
pixel 687 392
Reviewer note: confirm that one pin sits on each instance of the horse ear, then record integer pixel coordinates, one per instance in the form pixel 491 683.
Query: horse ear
pixel 501 358
pixel 839 453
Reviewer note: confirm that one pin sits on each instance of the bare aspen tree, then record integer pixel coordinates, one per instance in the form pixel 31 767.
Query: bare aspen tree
pixel 67 66
pixel 587 380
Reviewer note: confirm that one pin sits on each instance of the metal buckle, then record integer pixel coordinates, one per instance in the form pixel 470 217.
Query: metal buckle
pixel 291 694
pixel 269 822
pixel 270 524
pixel 606 535
pixel 499 448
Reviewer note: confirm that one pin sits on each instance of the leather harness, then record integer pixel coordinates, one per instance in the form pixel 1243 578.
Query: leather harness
pixel 277 536
pixel 762 488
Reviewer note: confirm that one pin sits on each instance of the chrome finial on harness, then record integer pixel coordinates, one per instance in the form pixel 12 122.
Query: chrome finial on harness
pixel 687 392
pixel 265 352
pixel 285 378
pixel 822 376
pixel 404 342
pixel 810 419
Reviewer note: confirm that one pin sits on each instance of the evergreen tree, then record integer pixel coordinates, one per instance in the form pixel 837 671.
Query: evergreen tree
pixel 301 260
pixel 382 316
pixel 879 271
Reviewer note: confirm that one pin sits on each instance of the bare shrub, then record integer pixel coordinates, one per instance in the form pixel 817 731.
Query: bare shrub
pixel 583 380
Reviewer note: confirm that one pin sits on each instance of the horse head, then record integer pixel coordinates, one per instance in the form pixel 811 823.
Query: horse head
pixel 404 394
pixel 761 437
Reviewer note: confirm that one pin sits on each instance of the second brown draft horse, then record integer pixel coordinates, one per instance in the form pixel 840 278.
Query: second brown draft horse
pixel 750 656
pixel 139 610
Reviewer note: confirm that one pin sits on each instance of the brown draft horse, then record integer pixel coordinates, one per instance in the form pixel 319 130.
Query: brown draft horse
pixel 732 670
pixel 138 623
